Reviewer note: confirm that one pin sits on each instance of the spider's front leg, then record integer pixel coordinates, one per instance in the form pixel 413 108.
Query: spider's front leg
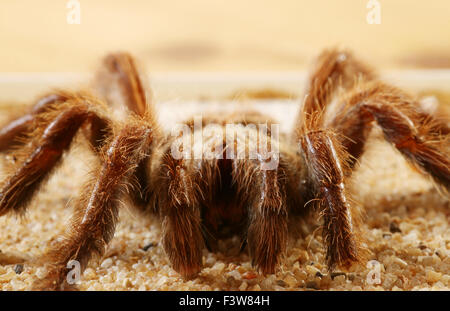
pixel 326 162
pixel 327 165
pixel 93 223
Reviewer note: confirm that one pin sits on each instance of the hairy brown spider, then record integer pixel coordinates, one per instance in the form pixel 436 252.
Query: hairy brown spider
pixel 200 201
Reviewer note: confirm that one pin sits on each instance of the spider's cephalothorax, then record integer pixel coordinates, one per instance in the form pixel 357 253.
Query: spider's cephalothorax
pixel 201 200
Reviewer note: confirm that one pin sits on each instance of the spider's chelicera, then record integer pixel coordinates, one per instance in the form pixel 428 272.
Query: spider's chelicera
pixel 227 141
pixel 209 184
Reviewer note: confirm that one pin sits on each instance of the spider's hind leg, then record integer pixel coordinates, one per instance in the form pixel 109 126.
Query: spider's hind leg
pixel 119 81
pixel 117 73
pixel 334 69
pixel 53 135
pixel 13 132
pixel 416 135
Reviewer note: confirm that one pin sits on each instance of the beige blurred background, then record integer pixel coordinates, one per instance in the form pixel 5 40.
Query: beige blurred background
pixel 212 35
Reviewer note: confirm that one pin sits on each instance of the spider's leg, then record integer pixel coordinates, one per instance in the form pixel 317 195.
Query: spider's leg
pixel 93 223
pixel 120 83
pixel 179 208
pixel 12 132
pixel 15 128
pixel 118 73
pixel 417 135
pixel 53 135
pixel 333 69
pixel 265 193
pixel 326 161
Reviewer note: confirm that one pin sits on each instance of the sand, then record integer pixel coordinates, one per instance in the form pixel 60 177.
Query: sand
pixel 406 228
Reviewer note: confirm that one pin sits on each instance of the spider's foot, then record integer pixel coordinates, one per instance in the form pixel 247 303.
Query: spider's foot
pixel 56 279
pixel 264 257
pixel 52 285
pixel 188 273
pixel 186 258
pixel 343 256
pixel 187 269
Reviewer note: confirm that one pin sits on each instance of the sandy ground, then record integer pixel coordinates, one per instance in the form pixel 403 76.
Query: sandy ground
pixel 406 228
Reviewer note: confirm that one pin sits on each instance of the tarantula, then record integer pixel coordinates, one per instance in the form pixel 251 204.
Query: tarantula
pixel 200 201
